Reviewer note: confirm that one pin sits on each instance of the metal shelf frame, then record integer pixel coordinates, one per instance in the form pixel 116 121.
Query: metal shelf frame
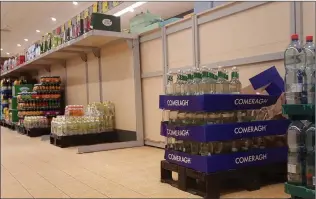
pixel 92 41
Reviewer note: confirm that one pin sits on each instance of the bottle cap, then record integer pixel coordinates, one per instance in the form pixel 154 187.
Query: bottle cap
pixel 309 38
pixel 294 37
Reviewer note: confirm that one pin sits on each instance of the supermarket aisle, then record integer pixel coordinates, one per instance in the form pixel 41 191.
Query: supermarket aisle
pixel 34 168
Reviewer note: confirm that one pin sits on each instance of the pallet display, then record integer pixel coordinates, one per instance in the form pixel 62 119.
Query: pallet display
pixel 193 167
pixel 301 112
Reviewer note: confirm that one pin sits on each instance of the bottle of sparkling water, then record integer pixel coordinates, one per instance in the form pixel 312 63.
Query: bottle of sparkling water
pixel 204 84
pixel 170 86
pixel 212 80
pixel 226 82
pixel 197 78
pixel 178 83
pixel 189 83
pixel 235 85
pixel 220 80
pixel 310 69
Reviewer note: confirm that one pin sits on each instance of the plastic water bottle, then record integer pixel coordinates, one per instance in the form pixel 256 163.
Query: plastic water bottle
pixel 310 69
pixel 295 77
pixel 310 156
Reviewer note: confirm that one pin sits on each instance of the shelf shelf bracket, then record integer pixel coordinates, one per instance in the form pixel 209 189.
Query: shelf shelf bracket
pixel 96 52
pixel 83 56
pixel 130 43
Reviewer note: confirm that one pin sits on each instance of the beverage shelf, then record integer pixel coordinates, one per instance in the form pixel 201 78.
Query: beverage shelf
pixel 225 162
pixel 80 46
pixel 299 109
pixel 215 102
pixel 222 132
pixel 299 191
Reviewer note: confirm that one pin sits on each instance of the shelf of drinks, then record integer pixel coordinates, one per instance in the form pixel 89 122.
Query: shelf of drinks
pixel 307 110
pixel 39 100
pixel 83 44
pixel 299 191
pixel 44 113
pixel 224 132
pixel 40 108
pixel 216 102
pixel 229 161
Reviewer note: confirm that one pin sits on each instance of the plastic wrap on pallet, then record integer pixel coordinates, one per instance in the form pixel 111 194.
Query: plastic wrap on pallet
pixel 224 162
pixel 216 102
pixel 222 132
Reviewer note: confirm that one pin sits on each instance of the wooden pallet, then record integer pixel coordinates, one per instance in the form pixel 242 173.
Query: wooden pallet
pixel 210 185
pixel 83 139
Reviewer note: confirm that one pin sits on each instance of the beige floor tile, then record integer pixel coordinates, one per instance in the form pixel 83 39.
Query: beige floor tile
pixel 34 168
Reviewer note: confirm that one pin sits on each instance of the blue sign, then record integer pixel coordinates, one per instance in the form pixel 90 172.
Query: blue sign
pixel 222 132
pixel 224 162
pixel 215 102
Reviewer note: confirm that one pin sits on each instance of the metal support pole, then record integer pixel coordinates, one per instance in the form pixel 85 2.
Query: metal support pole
pixel 66 81
pixel 292 18
pixel 164 55
pixel 100 80
pixel 87 81
pixel 196 41
pixel 138 91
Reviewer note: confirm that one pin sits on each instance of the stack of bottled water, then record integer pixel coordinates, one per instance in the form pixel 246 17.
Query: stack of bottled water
pixel 300 67
pixel 204 80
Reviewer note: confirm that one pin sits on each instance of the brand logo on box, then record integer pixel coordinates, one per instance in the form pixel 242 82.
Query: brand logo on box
pixel 107 22
pixel 250 101
pixel 177 133
pixel 251 158
pixel 179 158
pixel 178 102
pixel 24 89
pixel 250 129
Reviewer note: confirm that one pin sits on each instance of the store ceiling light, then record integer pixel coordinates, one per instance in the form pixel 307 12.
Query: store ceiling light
pixel 38 31
pixel 1 49
pixel 25 39
pixel 19 45
pixel 8 53
pixel 53 19
pixel 75 3
pixel 129 8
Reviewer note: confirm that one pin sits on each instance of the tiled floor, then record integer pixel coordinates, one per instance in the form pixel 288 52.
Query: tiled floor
pixel 31 168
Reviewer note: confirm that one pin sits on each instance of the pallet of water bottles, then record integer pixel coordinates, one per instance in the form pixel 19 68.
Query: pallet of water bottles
pixel 214 134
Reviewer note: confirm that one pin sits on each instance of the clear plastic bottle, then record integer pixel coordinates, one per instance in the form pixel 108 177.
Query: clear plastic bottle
pixel 220 80
pixel 178 83
pixel 295 77
pixel 189 83
pixel 296 143
pixel 204 87
pixel 226 82
pixel 170 86
pixel 310 156
pixel 197 78
pixel 212 80
pixel 310 69
pixel 235 85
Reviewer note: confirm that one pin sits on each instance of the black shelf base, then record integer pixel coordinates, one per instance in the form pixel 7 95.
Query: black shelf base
pixel 91 139
pixel 210 185
pixel 33 132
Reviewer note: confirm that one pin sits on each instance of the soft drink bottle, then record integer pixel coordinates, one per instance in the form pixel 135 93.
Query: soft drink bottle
pixel 295 77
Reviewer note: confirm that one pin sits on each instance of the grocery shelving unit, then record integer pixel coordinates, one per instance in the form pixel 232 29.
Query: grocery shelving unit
pixel 92 41
pixel 299 112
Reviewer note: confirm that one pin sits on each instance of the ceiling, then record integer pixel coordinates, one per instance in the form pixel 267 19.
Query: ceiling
pixel 24 18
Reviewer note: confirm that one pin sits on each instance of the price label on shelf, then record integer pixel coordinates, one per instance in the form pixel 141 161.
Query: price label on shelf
pixel 291 168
